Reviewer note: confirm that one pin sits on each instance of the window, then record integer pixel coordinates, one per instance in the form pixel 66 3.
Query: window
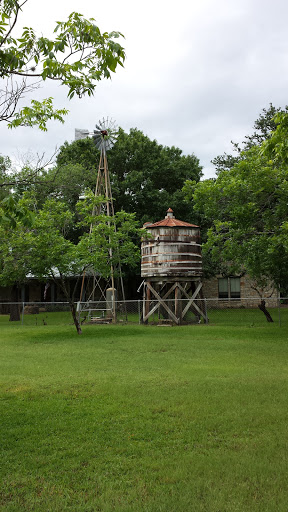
pixel 229 288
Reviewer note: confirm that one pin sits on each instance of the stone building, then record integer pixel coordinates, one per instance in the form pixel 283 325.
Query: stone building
pixel 236 291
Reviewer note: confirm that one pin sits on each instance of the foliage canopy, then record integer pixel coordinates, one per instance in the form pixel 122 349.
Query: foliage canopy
pixel 146 177
pixel 78 57
pixel 247 209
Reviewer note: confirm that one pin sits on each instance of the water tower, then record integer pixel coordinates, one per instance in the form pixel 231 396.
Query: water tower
pixel 171 266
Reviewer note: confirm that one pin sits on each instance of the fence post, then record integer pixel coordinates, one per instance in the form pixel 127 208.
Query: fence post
pixel 279 310
pixel 206 314
pixel 23 306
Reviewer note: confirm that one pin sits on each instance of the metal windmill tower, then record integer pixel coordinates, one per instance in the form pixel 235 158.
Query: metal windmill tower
pixel 104 138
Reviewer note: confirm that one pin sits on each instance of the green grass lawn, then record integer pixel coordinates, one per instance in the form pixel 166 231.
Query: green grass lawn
pixel 132 418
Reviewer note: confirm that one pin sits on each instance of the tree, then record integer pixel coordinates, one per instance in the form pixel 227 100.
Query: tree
pixel 247 209
pixel 146 177
pixel 13 263
pixel 10 213
pixel 44 250
pixel 264 127
pixel 78 57
pixel 5 170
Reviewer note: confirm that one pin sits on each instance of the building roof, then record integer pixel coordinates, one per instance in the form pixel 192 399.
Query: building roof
pixel 170 222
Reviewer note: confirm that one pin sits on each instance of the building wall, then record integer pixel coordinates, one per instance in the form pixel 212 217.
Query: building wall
pixel 248 296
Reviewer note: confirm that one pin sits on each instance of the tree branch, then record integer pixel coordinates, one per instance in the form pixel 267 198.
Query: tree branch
pixel 18 8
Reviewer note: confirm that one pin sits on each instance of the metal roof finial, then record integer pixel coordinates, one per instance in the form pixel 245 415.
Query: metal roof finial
pixel 169 214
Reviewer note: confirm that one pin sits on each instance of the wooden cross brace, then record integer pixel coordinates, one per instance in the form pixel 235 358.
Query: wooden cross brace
pixel 161 303
pixel 164 305
pixel 191 300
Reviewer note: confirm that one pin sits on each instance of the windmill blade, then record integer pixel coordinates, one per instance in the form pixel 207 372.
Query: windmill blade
pixel 97 141
pixel 113 126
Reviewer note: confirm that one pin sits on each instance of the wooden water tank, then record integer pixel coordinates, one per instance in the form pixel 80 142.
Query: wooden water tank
pixel 173 249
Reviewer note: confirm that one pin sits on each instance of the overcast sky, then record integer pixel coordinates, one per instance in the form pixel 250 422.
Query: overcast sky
pixel 197 73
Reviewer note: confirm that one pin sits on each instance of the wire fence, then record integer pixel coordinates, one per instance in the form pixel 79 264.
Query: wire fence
pixel 167 312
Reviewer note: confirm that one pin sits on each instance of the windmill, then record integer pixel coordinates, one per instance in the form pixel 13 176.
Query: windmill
pixel 104 138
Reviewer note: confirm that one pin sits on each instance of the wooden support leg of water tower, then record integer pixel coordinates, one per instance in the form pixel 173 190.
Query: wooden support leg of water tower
pixel 178 303
pixel 147 298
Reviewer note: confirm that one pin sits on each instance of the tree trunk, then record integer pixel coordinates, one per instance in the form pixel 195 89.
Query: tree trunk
pixel 262 307
pixel 75 317
pixel 14 308
pixel 70 300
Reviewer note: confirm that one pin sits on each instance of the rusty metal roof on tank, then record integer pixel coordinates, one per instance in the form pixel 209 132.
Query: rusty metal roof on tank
pixel 170 222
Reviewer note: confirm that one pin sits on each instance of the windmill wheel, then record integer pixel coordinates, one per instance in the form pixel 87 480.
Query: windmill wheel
pixel 105 134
